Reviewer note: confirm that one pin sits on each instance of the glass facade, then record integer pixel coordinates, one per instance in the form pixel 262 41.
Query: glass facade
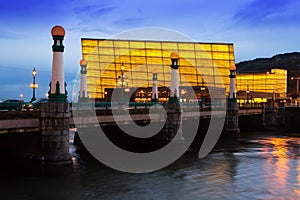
pixel 137 59
pixel 269 84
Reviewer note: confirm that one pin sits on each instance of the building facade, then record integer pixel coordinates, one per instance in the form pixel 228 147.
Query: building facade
pixel 130 64
pixel 261 86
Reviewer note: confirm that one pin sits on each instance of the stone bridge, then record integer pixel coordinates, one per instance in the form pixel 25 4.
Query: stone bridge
pixel 29 121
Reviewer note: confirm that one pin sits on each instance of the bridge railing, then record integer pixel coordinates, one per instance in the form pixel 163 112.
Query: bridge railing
pixel 142 105
pixel 11 105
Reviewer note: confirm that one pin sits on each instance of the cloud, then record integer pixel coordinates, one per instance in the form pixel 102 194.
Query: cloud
pixel 93 10
pixel 129 22
pixel 260 12
pixel 9 34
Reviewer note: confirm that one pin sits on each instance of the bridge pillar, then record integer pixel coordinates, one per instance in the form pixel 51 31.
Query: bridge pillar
pixel 54 126
pixel 55 114
pixel 173 129
pixel 173 126
pixel 231 126
pixel 273 117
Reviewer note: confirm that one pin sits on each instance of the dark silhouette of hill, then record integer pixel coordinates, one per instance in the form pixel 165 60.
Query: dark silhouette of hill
pixel 288 61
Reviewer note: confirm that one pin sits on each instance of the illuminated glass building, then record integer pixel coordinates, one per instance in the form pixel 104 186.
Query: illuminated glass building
pixel 199 64
pixel 261 86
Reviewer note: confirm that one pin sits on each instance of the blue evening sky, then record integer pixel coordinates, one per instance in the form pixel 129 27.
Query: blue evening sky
pixel 258 28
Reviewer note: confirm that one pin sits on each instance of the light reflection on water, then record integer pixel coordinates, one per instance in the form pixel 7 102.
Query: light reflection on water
pixel 259 167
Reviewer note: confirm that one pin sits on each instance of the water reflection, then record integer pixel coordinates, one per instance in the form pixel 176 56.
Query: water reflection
pixel 297 189
pixel 255 167
pixel 281 165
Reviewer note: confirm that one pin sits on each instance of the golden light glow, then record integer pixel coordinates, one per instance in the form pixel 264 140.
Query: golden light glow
pixel 83 62
pixel 266 83
pixel 174 55
pixel 34 72
pixel 279 164
pixel 58 31
pixel 34 85
pixel 232 68
pixel 141 58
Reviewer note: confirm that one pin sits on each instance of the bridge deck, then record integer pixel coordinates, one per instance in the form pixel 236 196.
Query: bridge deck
pixel 21 123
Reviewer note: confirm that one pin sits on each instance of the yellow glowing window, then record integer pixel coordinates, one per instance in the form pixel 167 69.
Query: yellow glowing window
pixel 141 58
pixel 169 46
pixel 121 44
pixel 203 47
pixel 220 47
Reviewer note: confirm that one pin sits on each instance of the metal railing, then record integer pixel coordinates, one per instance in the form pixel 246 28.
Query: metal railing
pixel 142 105
pixel 11 105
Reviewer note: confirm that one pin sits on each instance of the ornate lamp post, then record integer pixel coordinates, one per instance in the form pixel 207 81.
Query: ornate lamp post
pixel 247 93
pixel 33 85
pixel 122 83
pixel 105 93
pixel 202 88
pixel 122 77
pixel 297 84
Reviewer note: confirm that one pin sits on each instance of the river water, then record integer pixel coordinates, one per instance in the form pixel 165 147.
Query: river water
pixel 257 166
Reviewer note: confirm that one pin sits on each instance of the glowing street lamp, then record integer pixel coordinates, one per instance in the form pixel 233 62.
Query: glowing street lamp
pixel 33 85
pixel 105 96
pixel 297 79
pixel 142 95
pixel 247 92
pixel 122 83
pixel 122 77
pixel 202 89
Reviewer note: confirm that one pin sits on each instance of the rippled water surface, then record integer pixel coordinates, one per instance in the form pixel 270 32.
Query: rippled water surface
pixel 255 167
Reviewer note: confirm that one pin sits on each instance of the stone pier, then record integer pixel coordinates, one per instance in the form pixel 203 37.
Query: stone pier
pixel 54 132
pixel 173 128
pixel 273 117
pixel 231 126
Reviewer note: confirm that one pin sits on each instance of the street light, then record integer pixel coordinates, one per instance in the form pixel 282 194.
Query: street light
pixel 202 88
pixel 247 92
pixel 142 91
pixel 122 83
pixel 21 97
pixel 297 86
pixel 105 93
pixel 33 85
pixel 122 77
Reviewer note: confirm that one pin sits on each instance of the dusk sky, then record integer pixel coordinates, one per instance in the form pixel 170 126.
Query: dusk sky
pixel 257 28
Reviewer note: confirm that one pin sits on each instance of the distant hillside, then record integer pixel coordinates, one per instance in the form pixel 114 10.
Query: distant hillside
pixel 289 61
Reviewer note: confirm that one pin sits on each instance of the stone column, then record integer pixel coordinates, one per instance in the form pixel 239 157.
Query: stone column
pixel 55 114
pixel 174 88
pixel 231 126
pixel 154 87
pixel 173 126
pixel 83 94
pixel 57 86
pixel 232 76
